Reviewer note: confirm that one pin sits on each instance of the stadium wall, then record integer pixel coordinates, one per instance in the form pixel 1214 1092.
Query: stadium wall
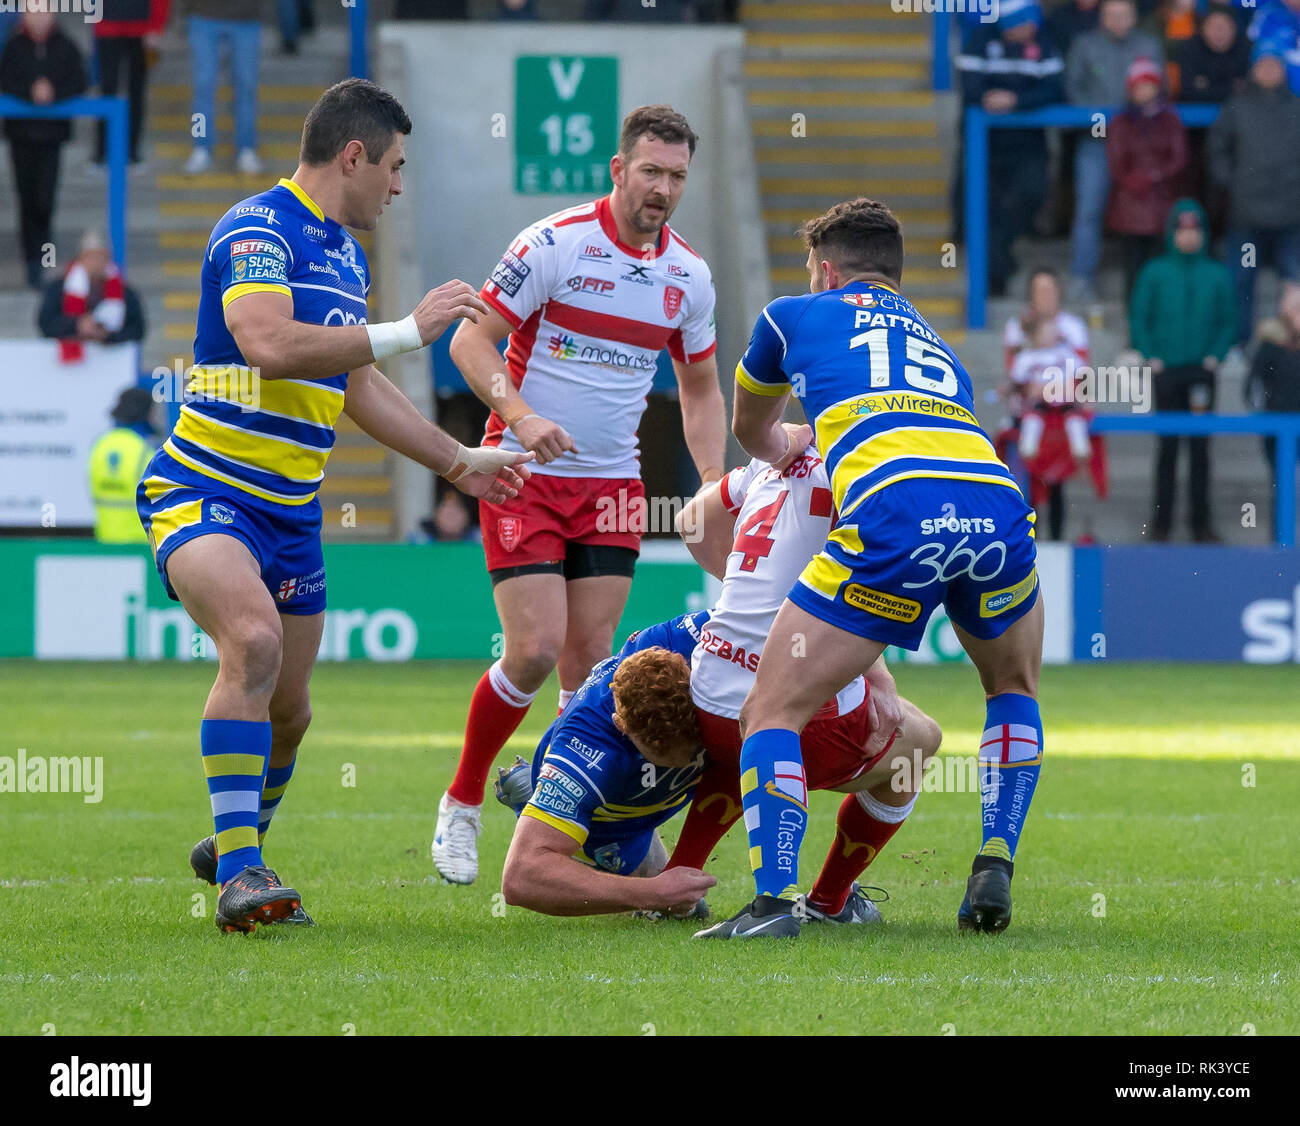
pixel 479 168
pixel 66 599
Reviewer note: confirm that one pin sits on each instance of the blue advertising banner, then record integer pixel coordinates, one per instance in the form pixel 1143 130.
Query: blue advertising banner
pixel 1187 604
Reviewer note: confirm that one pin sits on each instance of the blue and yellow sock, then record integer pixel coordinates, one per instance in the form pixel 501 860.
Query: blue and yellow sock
pixel 1011 755
pixel 236 753
pixel 277 779
pixel 774 797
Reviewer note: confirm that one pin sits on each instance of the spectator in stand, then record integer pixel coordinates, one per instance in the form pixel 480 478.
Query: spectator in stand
pixel 91 302
pixel 1278 23
pixel 1068 21
pixel 41 65
pixel 1006 68
pixel 1274 381
pixel 1183 323
pixel 1045 305
pixel 296 18
pixel 127 27
pixel 1096 75
pixel 1053 441
pixel 1212 65
pixel 451 522
pixel 117 462
pixel 1254 150
pixel 235 26
pixel 1146 152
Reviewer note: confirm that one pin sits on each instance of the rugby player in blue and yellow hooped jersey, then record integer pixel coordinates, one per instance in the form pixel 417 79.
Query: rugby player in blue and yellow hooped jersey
pixel 925 514
pixel 283 347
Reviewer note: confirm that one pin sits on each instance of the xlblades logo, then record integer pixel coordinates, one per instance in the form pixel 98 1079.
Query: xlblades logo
pixel 102 1080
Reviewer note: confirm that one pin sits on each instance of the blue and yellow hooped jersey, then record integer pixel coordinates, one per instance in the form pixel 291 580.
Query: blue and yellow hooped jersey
pixel 269 437
pixel 888 399
pixel 588 778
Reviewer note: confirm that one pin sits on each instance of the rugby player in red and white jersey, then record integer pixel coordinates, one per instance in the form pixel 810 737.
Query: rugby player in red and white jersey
pixel 756 530
pixel 589 297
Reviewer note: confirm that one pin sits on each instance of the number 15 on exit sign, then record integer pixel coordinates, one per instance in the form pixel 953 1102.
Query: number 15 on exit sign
pixel 566 123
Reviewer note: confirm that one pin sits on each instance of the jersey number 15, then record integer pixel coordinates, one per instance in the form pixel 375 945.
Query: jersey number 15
pixel 920 356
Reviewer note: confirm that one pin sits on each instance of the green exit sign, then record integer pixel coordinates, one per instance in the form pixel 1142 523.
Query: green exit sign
pixel 566 123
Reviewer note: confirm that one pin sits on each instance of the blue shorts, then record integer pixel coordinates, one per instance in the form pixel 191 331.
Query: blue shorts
pixel 177 505
pixel 922 542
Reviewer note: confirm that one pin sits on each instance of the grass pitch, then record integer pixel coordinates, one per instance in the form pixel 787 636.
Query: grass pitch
pixel 1154 893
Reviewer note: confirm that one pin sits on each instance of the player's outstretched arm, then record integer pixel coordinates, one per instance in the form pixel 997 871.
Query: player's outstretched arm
pixel 270 339
pixel 388 416
pixel 542 875
pixel 708 529
pixel 474 352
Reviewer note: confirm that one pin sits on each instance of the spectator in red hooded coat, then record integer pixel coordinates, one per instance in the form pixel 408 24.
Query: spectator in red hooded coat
pixel 1146 150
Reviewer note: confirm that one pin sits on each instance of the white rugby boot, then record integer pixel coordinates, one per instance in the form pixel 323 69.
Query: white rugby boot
pixel 455 841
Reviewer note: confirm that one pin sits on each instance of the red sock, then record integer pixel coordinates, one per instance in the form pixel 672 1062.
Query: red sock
pixel 496 710
pixel 859 837
pixel 714 809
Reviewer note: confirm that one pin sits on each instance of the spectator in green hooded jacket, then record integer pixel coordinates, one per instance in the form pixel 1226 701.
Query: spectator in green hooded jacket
pixel 1183 321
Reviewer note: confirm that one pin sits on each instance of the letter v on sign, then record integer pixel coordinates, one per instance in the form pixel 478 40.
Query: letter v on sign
pixel 566 79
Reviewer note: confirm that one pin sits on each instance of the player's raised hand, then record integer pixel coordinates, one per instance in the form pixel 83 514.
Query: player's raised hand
pixel 547 439
pixel 449 302
pixel 801 436
pixel 490 474
pixel 677 890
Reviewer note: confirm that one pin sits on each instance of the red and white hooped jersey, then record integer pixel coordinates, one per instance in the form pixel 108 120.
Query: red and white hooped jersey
pixel 589 316
pixel 782 521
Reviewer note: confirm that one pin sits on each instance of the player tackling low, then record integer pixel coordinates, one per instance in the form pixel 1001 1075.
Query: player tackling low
pixel 589 298
pixel 229 501
pixel 926 515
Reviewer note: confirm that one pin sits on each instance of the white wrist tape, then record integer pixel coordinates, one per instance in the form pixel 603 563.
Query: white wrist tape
pixel 390 338
pixel 481 459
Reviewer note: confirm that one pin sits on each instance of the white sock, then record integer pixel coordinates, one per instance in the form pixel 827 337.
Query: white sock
pixel 508 692
pixel 565 697
pixel 888 814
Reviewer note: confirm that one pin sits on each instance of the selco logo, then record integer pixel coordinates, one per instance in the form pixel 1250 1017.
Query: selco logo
pixel 999 602
pixel 598 287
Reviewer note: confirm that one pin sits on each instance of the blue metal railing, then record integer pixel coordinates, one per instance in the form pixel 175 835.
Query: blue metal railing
pixel 1284 427
pixel 978 124
pixel 358 25
pixel 114 112
pixel 941 65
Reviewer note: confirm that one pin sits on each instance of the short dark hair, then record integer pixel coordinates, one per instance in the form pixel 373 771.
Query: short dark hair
pixel 660 121
pixel 352 110
pixel 860 236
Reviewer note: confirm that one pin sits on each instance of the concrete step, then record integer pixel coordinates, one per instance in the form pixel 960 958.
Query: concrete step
pixel 827 131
